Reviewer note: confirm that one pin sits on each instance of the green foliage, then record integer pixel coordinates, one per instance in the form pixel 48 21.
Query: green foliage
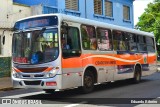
pixel 5 66
pixel 149 21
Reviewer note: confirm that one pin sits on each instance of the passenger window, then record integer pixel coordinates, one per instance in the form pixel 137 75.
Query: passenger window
pixel 141 43
pixel 89 41
pixel 119 40
pixel 70 42
pixel 150 45
pixel 132 42
pixel 150 40
pixel 104 39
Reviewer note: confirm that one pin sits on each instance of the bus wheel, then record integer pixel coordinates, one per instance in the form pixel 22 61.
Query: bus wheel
pixel 88 82
pixel 137 75
pixel 49 91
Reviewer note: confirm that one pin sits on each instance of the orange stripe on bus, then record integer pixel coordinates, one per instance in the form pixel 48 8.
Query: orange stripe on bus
pixel 107 60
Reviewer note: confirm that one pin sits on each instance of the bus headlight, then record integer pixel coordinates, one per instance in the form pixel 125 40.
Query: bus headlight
pixel 15 74
pixel 52 73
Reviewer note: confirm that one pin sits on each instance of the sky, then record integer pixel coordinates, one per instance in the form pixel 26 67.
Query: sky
pixel 139 6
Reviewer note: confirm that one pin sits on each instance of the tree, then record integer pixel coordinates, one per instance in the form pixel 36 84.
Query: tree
pixel 149 21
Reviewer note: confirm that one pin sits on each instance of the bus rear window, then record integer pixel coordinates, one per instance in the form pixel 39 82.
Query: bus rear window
pixel 36 22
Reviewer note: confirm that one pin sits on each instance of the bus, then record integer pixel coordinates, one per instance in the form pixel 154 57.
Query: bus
pixel 58 52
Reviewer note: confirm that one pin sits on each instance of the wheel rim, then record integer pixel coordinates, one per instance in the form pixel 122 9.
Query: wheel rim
pixel 138 76
pixel 88 81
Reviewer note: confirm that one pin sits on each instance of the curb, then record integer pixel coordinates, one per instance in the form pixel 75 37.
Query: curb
pixel 6 88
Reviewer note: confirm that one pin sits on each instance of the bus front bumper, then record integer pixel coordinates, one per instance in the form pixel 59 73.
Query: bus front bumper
pixel 45 83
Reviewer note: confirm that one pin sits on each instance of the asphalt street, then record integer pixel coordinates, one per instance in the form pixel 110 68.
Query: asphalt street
pixel 119 93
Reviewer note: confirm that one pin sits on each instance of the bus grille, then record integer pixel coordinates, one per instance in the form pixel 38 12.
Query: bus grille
pixel 32 82
pixel 33 76
pixel 32 70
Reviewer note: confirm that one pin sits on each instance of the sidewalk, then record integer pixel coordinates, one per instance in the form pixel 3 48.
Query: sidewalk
pixel 5 83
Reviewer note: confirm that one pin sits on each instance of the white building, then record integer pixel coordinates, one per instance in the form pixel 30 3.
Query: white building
pixel 10 12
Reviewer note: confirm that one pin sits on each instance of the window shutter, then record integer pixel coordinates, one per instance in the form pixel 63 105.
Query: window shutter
pixel 108 9
pixel 126 13
pixel 71 4
pixel 98 7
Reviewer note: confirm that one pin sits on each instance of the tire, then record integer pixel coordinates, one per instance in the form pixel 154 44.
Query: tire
pixel 137 75
pixel 88 82
pixel 49 91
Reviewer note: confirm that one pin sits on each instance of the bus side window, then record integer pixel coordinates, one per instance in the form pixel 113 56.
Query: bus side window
pixel 132 42
pixel 150 45
pixel 104 39
pixel 119 40
pixel 72 39
pixel 89 41
pixel 141 43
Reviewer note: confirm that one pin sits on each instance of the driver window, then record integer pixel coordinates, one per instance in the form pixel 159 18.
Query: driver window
pixel 70 42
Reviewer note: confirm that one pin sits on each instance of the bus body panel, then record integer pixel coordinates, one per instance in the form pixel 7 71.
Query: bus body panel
pixel 110 65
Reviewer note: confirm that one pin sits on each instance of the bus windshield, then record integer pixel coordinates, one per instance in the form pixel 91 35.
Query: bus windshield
pixel 35 47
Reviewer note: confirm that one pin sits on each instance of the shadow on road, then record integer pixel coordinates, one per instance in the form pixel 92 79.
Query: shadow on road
pixel 75 95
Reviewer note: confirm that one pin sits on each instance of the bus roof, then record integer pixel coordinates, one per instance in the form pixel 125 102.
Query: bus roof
pixel 92 22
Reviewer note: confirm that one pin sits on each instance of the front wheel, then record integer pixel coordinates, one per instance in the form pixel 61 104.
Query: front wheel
pixel 88 82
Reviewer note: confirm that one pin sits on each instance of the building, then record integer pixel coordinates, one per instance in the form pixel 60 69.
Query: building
pixel 10 12
pixel 118 12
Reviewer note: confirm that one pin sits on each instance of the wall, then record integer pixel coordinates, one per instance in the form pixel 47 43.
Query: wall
pixel 5 25
pixel 20 11
pixel 86 10
pixel 9 14
pixel 37 2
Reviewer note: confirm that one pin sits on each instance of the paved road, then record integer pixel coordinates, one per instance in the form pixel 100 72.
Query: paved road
pixel 104 94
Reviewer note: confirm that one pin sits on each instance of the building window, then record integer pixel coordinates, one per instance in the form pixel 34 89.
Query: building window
pixel 98 7
pixel 108 8
pixel 71 4
pixel 126 12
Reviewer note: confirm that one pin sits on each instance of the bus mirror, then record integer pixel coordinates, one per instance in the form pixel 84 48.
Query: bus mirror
pixel 3 40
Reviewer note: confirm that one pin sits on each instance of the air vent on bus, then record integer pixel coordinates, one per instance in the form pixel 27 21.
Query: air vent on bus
pixel 32 82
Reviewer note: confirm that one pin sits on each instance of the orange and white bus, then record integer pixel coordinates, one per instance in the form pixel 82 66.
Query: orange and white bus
pixel 57 51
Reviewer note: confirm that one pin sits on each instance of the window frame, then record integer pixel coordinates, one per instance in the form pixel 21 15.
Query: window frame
pixel 141 43
pixel 110 39
pixel 133 41
pixel 127 11
pixel 72 52
pixel 106 11
pixel 116 41
pixel 95 36
pixel 148 44
pixel 96 10
pixel 69 5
